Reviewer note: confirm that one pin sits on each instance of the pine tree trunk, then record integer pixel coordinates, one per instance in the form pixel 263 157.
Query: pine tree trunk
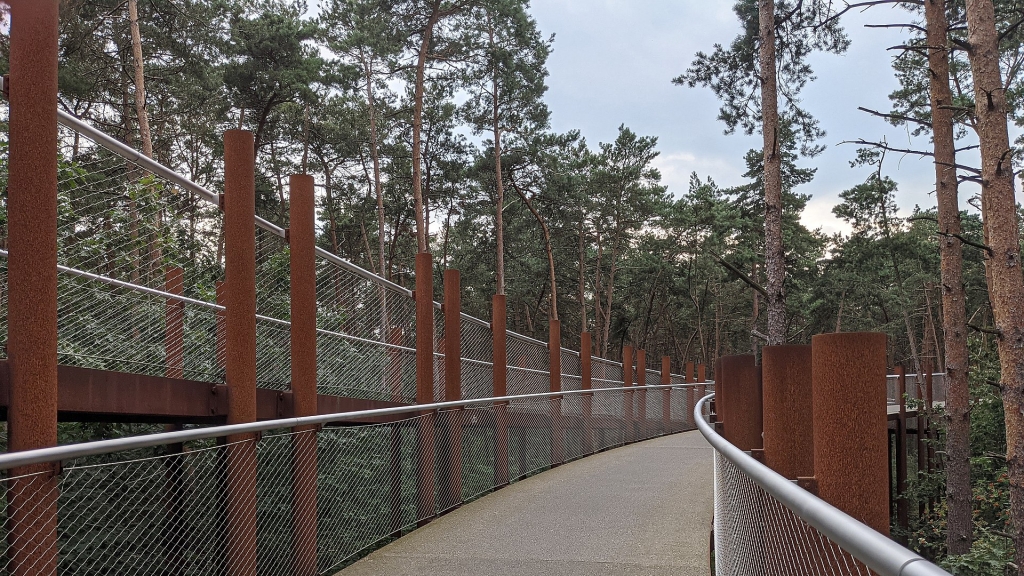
pixel 954 307
pixel 417 126
pixel 499 224
pixel 375 157
pixel 1003 268
pixel 140 79
pixel 583 284
pixel 775 256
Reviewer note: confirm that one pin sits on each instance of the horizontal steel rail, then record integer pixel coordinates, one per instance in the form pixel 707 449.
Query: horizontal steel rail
pixel 72 451
pixel 874 549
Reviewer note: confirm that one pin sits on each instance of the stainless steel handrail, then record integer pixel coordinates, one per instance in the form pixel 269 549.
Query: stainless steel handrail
pixel 877 551
pixel 71 451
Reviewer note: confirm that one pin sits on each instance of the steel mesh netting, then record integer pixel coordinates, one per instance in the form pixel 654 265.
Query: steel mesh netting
pixel 606 417
pixel 477 359
pixel 605 373
pixel 273 311
pixel 439 355
pixel 366 340
pixel 755 534
pixel 527 365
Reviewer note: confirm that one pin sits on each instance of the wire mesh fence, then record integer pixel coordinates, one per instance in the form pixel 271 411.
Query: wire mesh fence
pixel 267 502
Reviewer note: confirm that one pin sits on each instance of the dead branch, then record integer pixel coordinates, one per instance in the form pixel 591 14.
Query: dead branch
pixel 895 116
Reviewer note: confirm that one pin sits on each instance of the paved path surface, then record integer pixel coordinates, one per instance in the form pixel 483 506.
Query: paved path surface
pixel 644 509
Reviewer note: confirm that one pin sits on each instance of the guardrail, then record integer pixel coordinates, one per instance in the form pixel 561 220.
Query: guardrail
pixel 323 492
pixel 767 524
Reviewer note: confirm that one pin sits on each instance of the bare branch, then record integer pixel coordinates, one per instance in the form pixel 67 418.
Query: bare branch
pixel 895 116
pixel 740 273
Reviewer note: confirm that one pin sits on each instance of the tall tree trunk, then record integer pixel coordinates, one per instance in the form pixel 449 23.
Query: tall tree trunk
pixel 417 125
pixel 375 157
pixel 1003 268
pixel 774 254
pixel 598 332
pixel 547 247
pixel 140 79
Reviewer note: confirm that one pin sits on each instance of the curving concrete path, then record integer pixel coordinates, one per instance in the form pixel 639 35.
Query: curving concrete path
pixel 643 509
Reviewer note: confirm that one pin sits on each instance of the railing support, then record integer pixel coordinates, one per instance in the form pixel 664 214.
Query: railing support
pixel 425 504
pixel 500 373
pixel 240 345
pixel 32 283
pixel 586 383
pixel 451 433
pixel 627 396
pixel 788 418
pixel 850 425
pixel 302 243
pixel 555 385
pixel 739 401
pixel 174 488
pixel 902 511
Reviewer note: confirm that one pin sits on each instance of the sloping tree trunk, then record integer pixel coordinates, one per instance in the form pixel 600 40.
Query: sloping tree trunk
pixel 378 189
pixel 1003 267
pixel 775 257
pixel 954 312
pixel 547 248
pixel 140 79
pixel 499 224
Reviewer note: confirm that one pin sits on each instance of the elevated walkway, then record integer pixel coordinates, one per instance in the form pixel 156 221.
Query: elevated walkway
pixel 643 509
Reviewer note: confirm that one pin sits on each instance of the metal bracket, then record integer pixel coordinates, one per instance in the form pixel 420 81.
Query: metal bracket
pixel 757 454
pixel 809 483
pixel 288 236
pixel 220 202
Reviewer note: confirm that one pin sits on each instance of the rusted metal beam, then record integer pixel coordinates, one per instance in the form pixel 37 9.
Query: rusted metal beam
pixel 450 423
pixel 425 504
pixel 500 374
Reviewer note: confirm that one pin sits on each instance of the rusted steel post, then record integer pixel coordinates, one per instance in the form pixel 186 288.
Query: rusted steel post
pixel 902 512
pixel 666 395
pixel 240 345
pixel 451 435
pixel 32 284
pixel 788 421
pixel 627 396
pixel 174 324
pixel 690 393
pixel 555 385
pixel 587 383
pixel 302 250
pixel 850 427
pixel 500 375
pixel 739 404
pixel 641 400
pixel 425 484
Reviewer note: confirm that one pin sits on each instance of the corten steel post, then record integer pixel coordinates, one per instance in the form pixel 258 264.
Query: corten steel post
pixel 451 468
pixel 32 283
pixel 555 385
pixel 850 425
pixel 641 399
pixel 240 345
pixel 741 401
pixel 586 383
pixel 627 396
pixel 302 246
pixel 902 512
pixel 690 400
pixel 788 421
pixel 500 376
pixel 666 395
pixel 425 485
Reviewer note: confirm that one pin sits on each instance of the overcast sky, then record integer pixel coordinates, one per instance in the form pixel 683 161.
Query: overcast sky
pixel 614 60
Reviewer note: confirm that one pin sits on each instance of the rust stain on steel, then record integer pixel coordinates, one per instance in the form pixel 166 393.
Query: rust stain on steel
pixel 174 318
pixel 451 422
pixel 32 282
pixel 555 385
pixel 586 383
pixel 500 372
pixel 627 397
pixel 740 401
pixel 425 387
pixel 303 397
pixel 850 425
pixel 240 346
pixel 788 420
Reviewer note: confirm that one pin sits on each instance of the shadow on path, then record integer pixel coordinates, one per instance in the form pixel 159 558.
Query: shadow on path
pixel 643 509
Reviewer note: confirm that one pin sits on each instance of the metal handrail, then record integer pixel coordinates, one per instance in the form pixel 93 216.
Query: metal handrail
pixel 71 451
pixel 874 549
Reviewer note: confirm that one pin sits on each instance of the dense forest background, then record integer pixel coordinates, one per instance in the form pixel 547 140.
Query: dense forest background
pixel 356 91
